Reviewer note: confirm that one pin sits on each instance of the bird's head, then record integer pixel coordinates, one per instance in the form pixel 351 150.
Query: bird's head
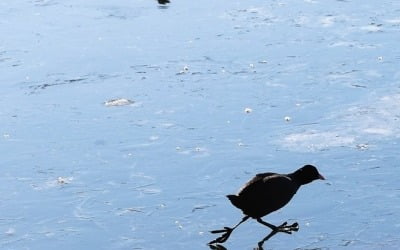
pixel 307 174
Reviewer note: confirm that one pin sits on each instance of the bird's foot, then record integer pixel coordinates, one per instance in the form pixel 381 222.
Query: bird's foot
pixel 284 228
pixel 226 233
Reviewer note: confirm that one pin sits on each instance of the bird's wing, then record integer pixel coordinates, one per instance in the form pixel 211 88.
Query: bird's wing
pixel 254 182
pixel 263 195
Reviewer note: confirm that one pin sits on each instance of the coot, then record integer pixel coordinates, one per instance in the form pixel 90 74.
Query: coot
pixel 163 1
pixel 266 193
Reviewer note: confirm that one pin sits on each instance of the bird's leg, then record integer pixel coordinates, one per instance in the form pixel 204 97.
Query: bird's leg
pixel 226 232
pixel 282 228
pixel 273 228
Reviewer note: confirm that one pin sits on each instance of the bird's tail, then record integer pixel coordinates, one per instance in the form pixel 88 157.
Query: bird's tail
pixel 235 200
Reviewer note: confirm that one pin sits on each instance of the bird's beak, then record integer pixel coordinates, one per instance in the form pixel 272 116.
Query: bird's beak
pixel 321 177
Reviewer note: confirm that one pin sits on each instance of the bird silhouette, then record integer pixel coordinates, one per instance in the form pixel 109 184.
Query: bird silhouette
pixel 163 1
pixel 266 193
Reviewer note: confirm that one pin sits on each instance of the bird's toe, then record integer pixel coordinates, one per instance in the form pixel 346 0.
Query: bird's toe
pixel 226 229
pixel 224 237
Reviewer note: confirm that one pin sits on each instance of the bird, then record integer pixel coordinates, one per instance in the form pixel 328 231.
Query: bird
pixel 266 193
pixel 163 1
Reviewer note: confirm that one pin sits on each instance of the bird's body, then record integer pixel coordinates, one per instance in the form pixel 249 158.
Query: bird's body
pixel 266 193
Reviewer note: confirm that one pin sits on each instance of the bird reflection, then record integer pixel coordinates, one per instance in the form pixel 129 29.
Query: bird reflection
pixel 266 193
pixel 217 247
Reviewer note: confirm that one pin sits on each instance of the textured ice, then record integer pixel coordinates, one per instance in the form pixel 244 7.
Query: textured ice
pixel 320 77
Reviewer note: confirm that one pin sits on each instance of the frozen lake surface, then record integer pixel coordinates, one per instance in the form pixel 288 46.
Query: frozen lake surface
pixel 124 124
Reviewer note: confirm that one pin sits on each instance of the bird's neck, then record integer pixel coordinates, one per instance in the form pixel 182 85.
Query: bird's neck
pixel 297 178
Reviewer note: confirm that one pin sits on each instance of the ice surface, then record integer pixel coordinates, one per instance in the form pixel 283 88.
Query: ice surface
pixel 204 94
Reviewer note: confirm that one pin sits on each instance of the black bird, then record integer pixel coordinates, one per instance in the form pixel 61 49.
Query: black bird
pixel 163 1
pixel 266 193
